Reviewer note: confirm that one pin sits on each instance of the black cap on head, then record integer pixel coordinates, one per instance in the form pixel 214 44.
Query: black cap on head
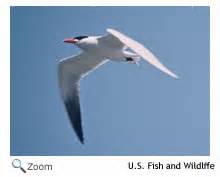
pixel 80 37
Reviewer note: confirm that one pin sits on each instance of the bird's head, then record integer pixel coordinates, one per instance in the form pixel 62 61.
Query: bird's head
pixel 74 40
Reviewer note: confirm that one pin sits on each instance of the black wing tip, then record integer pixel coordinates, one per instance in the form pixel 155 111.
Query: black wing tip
pixel 81 139
pixel 73 110
pixel 80 136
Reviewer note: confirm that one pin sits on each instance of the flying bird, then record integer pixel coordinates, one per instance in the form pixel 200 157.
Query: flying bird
pixel 97 50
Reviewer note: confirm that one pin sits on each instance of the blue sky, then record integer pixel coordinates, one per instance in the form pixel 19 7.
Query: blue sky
pixel 126 110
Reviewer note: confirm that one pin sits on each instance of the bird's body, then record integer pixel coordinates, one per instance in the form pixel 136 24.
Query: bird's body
pixel 97 50
pixel 99 46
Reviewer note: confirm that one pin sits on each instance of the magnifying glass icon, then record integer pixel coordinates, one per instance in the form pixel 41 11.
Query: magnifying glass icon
pixel 16 163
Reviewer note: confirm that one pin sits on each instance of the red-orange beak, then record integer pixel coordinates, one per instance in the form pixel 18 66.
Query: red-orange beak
pixel 70 40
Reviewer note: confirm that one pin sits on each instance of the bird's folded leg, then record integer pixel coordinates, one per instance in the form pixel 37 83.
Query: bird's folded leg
pixel 133 60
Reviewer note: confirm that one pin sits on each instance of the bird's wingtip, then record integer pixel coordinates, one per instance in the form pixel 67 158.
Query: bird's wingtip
pixel 172 75
pixel 175 76
pixel 81 139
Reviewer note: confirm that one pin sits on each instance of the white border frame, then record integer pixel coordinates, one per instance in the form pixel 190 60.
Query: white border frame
pixel 108 165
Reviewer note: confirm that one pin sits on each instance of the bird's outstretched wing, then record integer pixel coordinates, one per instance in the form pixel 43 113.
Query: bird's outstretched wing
pixel 141 50
pixel 112 41
pixel 70 70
